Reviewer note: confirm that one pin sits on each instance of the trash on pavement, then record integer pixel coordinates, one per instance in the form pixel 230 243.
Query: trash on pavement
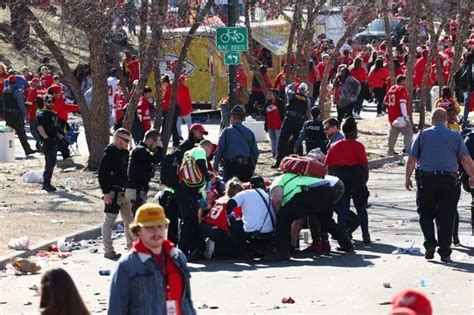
pixel 34 287
pixel 25 265
pixel 21 243
pixel 423 283
pixel 203 307
pixel 104 272
pixel 287 300
pixel 33 177
pixel 28 303
pixel 53 221
pixel 60 200
pixel 64 246
pixel 387 285
pixel 408 250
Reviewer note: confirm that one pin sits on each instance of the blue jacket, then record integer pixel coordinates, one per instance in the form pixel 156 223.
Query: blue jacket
pixel 137 286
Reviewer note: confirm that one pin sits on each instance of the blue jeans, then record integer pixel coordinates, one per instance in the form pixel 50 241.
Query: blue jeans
pixel 274 135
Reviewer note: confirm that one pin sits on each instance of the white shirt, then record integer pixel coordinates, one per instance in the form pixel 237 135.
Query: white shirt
pixel 254 211
pixel 111 89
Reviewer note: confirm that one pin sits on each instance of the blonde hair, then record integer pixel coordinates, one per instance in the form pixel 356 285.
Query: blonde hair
pixel 233 187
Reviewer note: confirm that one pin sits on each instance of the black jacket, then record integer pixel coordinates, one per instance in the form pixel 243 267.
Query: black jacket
pixel 141 166
pixel 187 145
pixel 113 169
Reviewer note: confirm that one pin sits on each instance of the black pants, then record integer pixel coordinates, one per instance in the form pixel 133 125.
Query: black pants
pixel 17 122
pixel 436 200
pixel 379 94
pixel 224 244
pixel 256 103
pixel 303 204
pixel 174 129
pixel 290 131
pixel 344 112
pixel 50 151
pixel 189 235
pixel 63 145
pixel 316 88
pixel 242 171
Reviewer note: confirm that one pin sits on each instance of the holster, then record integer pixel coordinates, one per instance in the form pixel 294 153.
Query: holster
pixel 113 208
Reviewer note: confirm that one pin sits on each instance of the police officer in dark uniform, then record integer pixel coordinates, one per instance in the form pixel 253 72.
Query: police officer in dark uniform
pixel 435 154
pixel 237 148
pixel 296 112
pixel 312 133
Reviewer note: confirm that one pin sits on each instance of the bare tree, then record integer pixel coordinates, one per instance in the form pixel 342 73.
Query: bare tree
pixel 464 9
pixel 388 35
pixel 20 29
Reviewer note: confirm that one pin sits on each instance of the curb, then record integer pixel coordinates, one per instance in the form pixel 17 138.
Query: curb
pixel 96 232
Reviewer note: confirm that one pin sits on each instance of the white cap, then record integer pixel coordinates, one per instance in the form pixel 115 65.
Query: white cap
pixel 303 87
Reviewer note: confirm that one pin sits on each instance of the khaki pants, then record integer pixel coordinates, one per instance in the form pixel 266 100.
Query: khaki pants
pixel 109 221
pixel 407 133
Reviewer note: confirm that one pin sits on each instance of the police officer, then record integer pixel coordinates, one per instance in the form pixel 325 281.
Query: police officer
pixel 435 154
pixel 296 112
pixel 112 181
pixel 312 133
pixel 146 155
pixel 237 148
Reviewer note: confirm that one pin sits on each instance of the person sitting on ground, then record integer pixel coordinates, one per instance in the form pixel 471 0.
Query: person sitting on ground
pixel 196 134
pixel 258 218
pixel 59 295
pixel 215 226
pixel 347 160
pixel 312 133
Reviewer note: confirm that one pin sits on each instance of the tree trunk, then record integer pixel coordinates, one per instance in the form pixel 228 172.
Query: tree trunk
pixel 20 29
pixel 464 10
pixel 179 68
pixel 142 38
pixel 295 25
pixel 388 41
pixel 361 18
pixel 158 111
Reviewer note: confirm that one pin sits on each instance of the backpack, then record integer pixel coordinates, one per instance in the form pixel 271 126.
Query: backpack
pixel 303 165
pixel 189 172
pixel 169 168
pixel 9 103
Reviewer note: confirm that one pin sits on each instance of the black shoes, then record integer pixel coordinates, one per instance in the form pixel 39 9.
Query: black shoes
pixel 29 152
pixel 429 254
pixel 49 188
pixel 366 239
pixel 446 259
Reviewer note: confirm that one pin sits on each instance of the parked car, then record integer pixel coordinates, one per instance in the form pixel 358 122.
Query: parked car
pixel 376 30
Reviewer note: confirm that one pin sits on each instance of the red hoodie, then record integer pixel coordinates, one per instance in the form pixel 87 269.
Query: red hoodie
pixel 166 98
pixel 62 109
pixel 360 74
pixel 378 78
pixel 175 279
pixel 184 99
pixel 419 69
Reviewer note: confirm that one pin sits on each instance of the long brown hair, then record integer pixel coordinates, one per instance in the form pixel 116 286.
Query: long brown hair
pixel 59 294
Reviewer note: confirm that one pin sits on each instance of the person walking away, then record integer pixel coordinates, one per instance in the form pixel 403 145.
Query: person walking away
pixel 15 112
pixel 193 181
pixel 59 295
pixel 358 72
pixel 112 181
pixel 437 166
pixel 141 168
pixel 377 80
pixel 349 90
pixel 49 131
pixel 398 109
pixel 420 65
pixel 347 160
pixel 464 81
pixel 242 90
pixel 185 104
pixel 312 133
pixel 293 197
pixel 296 112
pixel 224 106
pixel 36 93
pixel 142 121
pixel 196 134
pixel 153 278
pixel 274 113
pixel 237 148
pixel 165 104
pixel 62 109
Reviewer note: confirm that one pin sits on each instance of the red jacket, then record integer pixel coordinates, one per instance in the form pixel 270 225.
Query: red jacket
pixel 166 98
pixel 133 70
pixel 217 216
pixel 62 109
pixel 30 100
pixel 184 100
pixel 47 80
pixel 419 69
pixel 378 78
pixel 143 112
pixel 241 80
pixel 360 74
pixel 280 81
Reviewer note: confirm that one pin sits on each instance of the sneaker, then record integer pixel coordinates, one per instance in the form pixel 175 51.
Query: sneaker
pixel 429 254
pixel 49 188
pixel 316 247
pixel 446 259
pixel 112 255
pixel 29 152
pixel 210 248
pixel 326 246
pixel 456 241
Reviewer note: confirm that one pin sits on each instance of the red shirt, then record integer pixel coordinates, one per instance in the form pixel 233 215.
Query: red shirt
pixel 346 152
pixel 175 279
pixel 396 95
pixel 360 74
pixel 241 80
pixel 47 80
pixel 272 117
pixel 119 104
pixel 3 77
pixel 133 70
pixel 346 60
pixel 30 100
pixel 280 81
pixel 143 112
pixel 165 98
pixel 419 69
pixel 184 100
pixel 218 215
pixel 313 76
pixel 378 78
pixel 62 109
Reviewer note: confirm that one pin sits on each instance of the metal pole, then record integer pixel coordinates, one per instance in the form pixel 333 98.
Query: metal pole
pixel 233 6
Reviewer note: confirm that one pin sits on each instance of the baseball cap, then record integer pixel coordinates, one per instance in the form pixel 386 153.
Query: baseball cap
pixel 414 300
pixel 237 110
pixel 303 87
pixel 150 214
pixel 34 81
pixel 199 127
pixel 12 79
pixel 55 88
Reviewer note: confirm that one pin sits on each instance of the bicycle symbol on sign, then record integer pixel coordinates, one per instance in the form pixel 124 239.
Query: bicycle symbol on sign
pixel 232 35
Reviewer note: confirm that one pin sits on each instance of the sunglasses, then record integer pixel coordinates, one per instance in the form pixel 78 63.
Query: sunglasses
pixel 124 139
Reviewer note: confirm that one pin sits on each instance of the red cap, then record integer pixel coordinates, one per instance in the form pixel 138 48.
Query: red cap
pixel 213 148
pixel 416 301
pixel 402 311
pixel 12 79
pixel 55 89
pixel 199 127
pixel 34 81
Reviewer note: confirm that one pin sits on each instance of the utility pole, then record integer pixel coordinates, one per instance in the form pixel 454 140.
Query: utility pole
pixel 233 14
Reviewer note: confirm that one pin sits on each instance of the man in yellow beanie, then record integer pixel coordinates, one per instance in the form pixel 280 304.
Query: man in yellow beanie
pixel 153 278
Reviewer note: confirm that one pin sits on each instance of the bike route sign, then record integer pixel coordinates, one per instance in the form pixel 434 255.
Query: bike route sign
pixel 232 39
pixel 231 58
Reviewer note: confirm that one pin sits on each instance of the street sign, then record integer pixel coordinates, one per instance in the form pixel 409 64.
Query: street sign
pixel 231 58
pixel 232 39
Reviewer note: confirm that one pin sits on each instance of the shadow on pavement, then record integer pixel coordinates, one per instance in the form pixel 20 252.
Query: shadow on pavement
pixel 456 266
